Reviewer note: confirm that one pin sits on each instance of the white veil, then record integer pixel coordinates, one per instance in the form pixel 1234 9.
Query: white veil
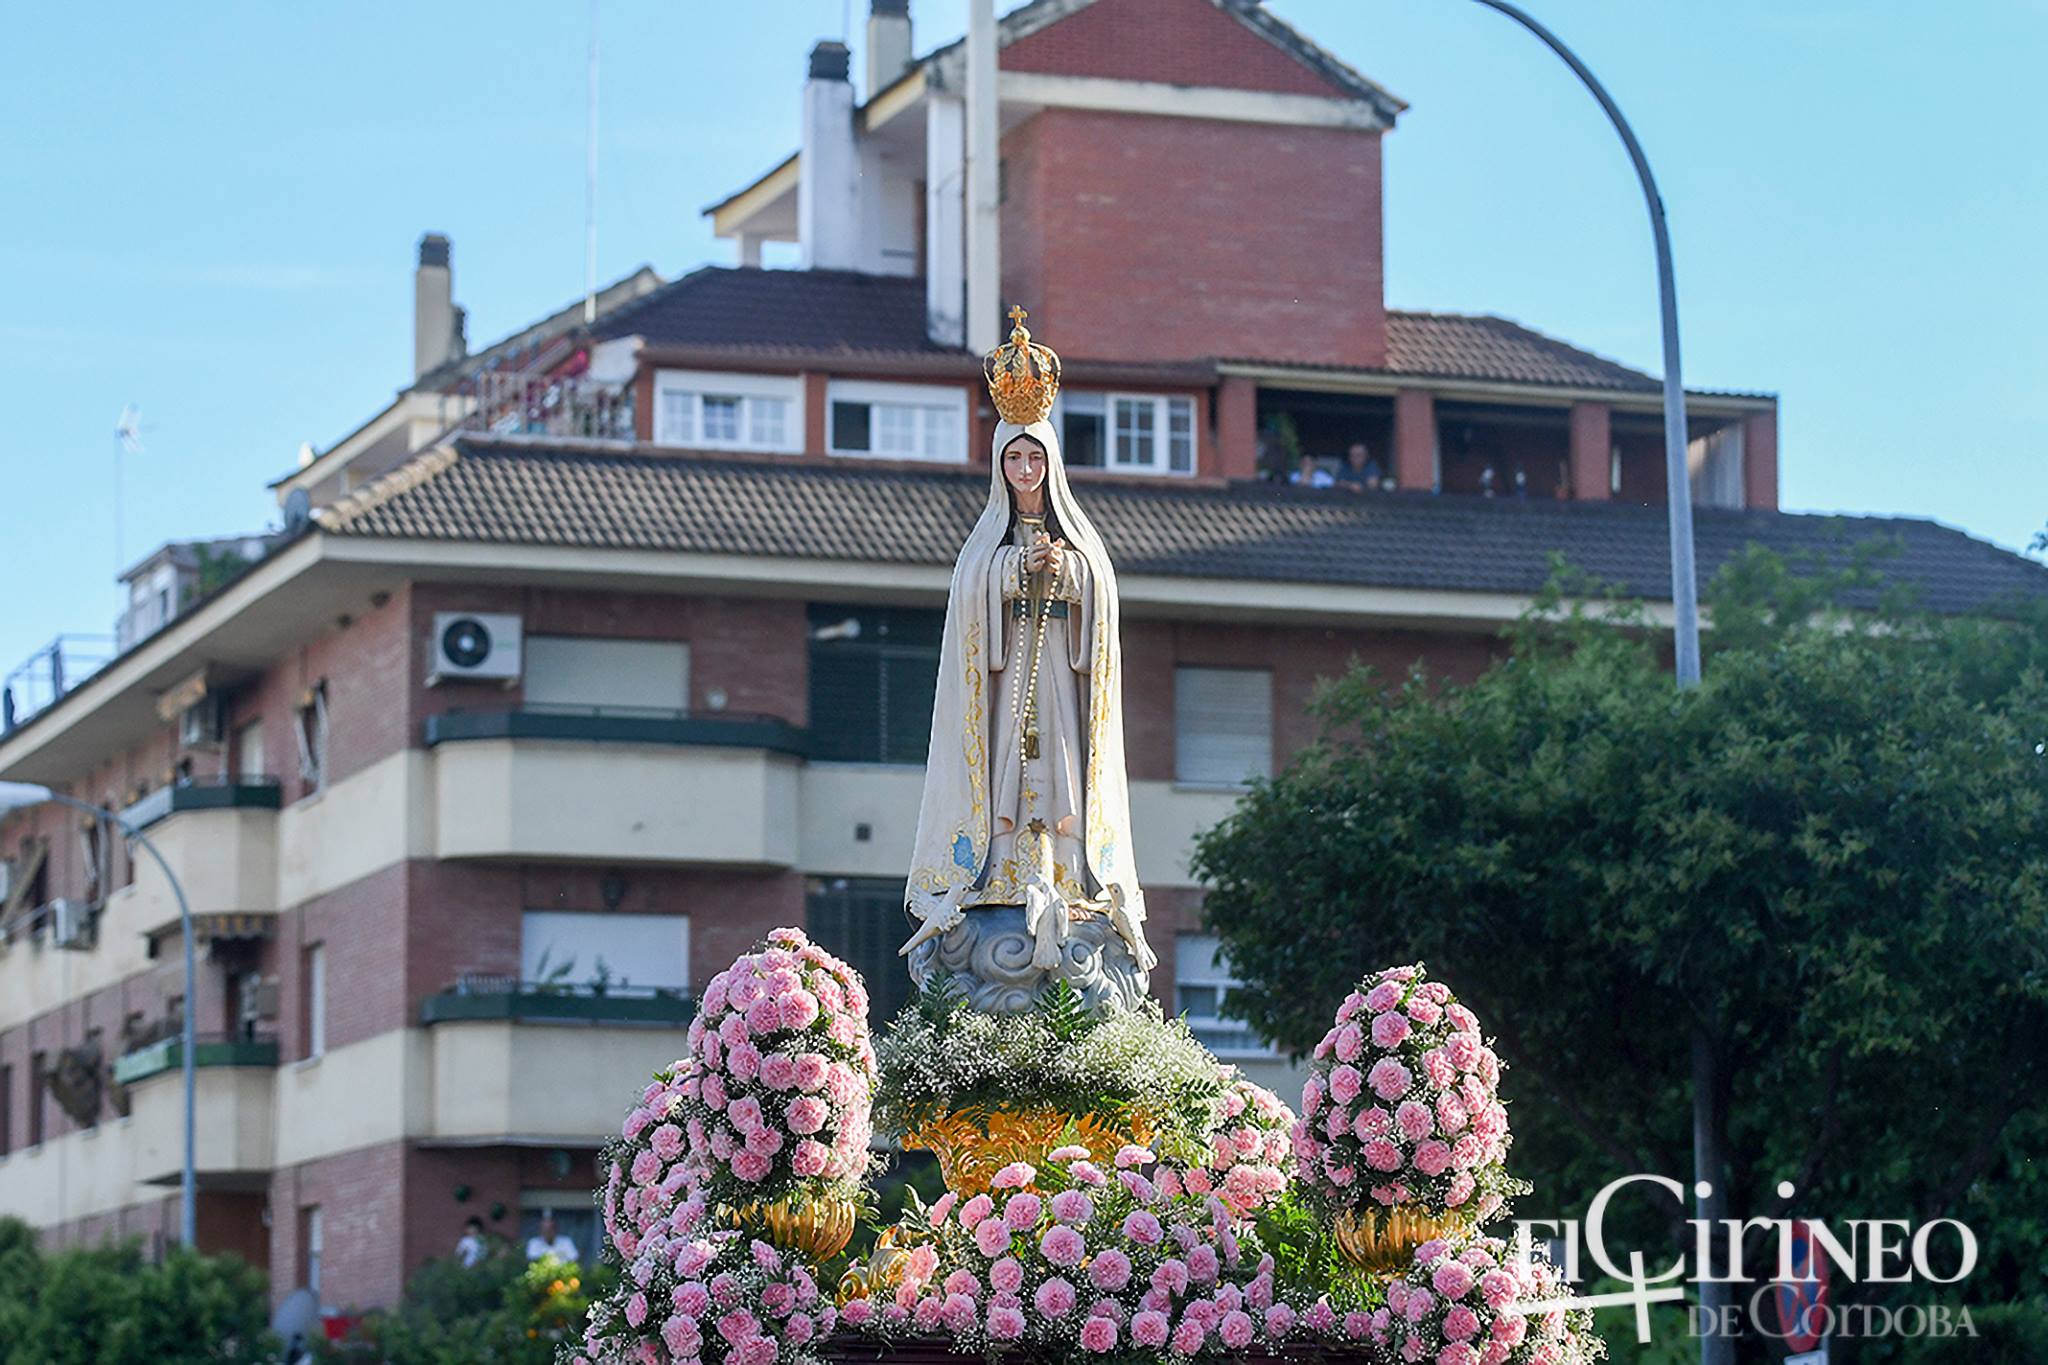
pixel 952 843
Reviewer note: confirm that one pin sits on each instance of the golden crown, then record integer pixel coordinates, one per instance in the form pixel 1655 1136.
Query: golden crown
pixel 1023 375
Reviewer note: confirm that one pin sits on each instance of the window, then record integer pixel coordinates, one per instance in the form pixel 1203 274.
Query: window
pixel 590 673
pixel 311 729
pixel 860 919
pixel 728 411
pixel 6 1110
pixel 249 752
pixel 312 1244
pixel 315 988
pixel 1138 432
pixel 37 1093
pixel 1222 725
pixel 898 421
pixel 575 949
pixel 1201 985
pixel 1079 419
pixel 874 673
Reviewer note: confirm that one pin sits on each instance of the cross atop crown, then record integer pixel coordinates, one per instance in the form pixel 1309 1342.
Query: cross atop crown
pixel 1023 375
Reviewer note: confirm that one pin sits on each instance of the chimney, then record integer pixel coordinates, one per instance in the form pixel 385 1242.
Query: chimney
pixel 828 172
pixel 437 324
pixel 888 43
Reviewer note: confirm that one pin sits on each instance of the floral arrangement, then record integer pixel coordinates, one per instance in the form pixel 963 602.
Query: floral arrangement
pixel 1402 1104
pixel 775 1098
pixel 1476 1304
pixel 1090 1258
pixel 1249 1161
pixel 690 1294
pixel 941 1056
pixel 1170 1251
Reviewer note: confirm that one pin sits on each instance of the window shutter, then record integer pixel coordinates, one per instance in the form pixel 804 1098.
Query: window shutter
pixel 1223 725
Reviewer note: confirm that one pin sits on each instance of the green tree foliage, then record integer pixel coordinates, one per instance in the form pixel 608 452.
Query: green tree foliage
pixel 110 1306
pixel 1829 864
pixel 502 1311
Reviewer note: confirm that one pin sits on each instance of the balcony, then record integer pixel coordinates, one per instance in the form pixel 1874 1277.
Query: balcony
pixel 534 1002
pixel 221 839
pixel 517 403
pixel 232 1083
pixel 616 786
pixel 497 1077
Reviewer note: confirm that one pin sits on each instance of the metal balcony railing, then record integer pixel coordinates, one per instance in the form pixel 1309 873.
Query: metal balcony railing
pixel 517 403
pixel 46 675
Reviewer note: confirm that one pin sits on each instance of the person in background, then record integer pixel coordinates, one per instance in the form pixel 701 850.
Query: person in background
pixel 1311 474
pixel 550 1241
pixel 1360 473
pixel 471 1249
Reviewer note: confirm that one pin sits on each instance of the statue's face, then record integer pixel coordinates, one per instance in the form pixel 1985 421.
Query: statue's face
pixel 1024 464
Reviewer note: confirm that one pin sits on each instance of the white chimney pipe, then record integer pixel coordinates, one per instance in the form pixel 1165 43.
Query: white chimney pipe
pixel 437 324
pixel 828 171
pixel 888 43
pixel 984 244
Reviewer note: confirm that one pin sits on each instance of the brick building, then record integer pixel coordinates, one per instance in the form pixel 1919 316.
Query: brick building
pixel 603 650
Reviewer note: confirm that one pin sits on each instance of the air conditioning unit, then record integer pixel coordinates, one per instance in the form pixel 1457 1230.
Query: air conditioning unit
pixel 72 924
pixel 199 725
pixel 475 647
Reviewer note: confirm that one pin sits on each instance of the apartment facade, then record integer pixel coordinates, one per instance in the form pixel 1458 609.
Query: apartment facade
pixel 606 649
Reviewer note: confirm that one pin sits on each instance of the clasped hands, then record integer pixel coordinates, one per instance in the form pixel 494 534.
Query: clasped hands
pixel 1043 554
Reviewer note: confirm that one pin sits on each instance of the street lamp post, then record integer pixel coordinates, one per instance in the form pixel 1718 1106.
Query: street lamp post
pixel 16 794
pixel 1677 477
pixel 1710 1198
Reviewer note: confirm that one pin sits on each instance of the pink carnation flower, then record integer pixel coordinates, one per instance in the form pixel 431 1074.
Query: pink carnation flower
pixel 810 1158
pixel 1388 1078
pixel 1142 1228
pixel 1452 1279
pixel 1432 1157
pixel 1022 1210
pixel 1110 1270
pixel 992 1237
pixel 1189 1336
pixel 1063 1246
pixel 1414 1120
pixel 751 1166
pixel 1390 1030
pixel 1345 1083
pixel 1383 997
pixel 1005 1324
pixel 1014 1176
pixel 1461 1323
pixel 1055 1298
pixel 936 1215
pixel 1072 1207
pixel 1098 1335
pixel 807 1114
pixel 1150 1328
pixel 1237 1330
pixel 976 1209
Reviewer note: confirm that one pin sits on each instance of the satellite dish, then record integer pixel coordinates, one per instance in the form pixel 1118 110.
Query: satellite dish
pixel 298 509
pixel 297 1322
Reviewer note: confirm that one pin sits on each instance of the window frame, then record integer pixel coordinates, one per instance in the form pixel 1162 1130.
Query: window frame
pixel 930 404
pixel 1164 407
pixel 310 725
pixel 749 389
pixel 314 987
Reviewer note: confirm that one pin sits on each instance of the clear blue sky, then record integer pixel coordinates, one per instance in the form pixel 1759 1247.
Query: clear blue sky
pixel 210 212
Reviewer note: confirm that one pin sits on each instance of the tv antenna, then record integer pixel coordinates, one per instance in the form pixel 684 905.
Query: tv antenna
pixel 127 441
pixel 590 182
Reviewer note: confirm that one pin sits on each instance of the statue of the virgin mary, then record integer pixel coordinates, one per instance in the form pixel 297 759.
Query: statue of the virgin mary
pixel 1026 803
